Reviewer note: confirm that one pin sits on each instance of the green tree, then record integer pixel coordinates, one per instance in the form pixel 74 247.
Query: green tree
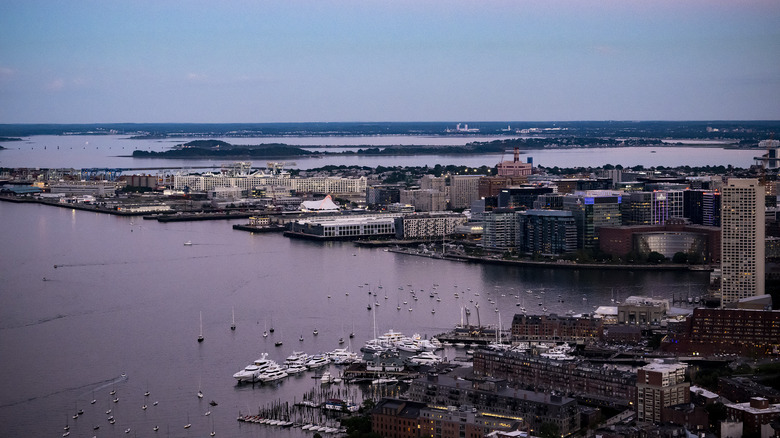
pixel 680 257
pixel 655 257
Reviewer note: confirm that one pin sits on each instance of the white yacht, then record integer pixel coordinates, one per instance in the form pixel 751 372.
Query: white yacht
pixel 274 372
pixel 294 368
pixel 251 372
pixel 425 358
pixel 341 356
pixel 297 357
pixel 317 361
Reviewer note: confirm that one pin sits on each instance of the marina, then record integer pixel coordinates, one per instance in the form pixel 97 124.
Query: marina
pixel 146 326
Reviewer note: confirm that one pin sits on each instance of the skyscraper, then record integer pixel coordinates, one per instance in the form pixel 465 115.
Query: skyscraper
pixel 742 241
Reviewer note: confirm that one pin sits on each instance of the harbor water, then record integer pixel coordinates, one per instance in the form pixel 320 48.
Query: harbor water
pixel 95 303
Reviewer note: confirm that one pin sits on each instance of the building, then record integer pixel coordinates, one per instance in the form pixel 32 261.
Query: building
pixel 746 332
pixel 382 195
pixel 500 230
pixel 81 188
pixel 642 310
pixel 430 182
pixel 515 167
pixel 546 232
pixel 754 415
pixel 493 397
pixel 463 190
pixel 652 208
pixel 601 385
pixel 427 226
pixel 425 199
pixel 396 418
pixel 248 181
pixel 338 227
pixel 491 185
pixel 675 236
pixel 742 241
pixel 591 211
pixel 521 198
pixel 702 207
pixel 463 422
pixel 554 328
pixel 741 389
pixel 660 385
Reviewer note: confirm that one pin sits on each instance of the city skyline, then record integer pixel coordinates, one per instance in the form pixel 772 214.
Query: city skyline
pixel 86 62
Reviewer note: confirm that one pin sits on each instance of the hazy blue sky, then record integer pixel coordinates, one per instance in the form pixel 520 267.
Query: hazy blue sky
pixel 77 61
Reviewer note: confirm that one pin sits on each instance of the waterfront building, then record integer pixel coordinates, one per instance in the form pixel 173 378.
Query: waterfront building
pixel 515 167
pixel 424 199
pixel 642 310
pixel 675 236
pixel 427 226
pixel 463 190
pixel 493 397
pixel 554 328
pixel 660 385
pixel 500 230
pixel 600 385
pixel 81 188
pixel 248 181
pixel 755 416
pixel 521 198
pixel 742 242
pixel 546 232
pixel 325 204
pixel 392 418
pixel 352 227
pixel 747 332
pixel 591 211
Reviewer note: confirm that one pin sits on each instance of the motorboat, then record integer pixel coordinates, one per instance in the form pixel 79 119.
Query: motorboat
pixel 317 361
pixel 425 358
pixel 274 372
pixel 251 372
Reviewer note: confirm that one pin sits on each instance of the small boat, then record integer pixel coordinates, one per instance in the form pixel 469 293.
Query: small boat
pixel 200 336
pixel 316 332
pixel 200 394
pixel 278 343
pixel 301 338
pixel 212 403
pixel 233 320
pixel 188 243
pixel 156 428
pixel 341 341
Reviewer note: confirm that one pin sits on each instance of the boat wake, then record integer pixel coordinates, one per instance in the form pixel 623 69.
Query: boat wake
pixel 88 389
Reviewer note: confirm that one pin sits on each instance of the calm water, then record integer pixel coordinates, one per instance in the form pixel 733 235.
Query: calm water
pixel 113 151
pixel 126 296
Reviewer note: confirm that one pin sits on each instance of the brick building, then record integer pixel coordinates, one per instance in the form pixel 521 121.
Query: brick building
pixel 554 328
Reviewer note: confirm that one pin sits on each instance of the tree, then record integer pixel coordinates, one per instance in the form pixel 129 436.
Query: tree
pixel 680 257
pixel 655 257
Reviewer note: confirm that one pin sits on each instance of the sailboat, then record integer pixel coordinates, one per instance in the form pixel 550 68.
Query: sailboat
pixel 233 320
pixel 213 432
pixel 200 337
pixel 265 330
pixel 200 393
pixel 272 326
pixel 188 425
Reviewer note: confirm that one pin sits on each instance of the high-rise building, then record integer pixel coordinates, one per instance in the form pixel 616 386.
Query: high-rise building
pixel 742 241
pixel 463 190
pixel 500 230
pixel 592 210
pixel 546 232
pixel 660 385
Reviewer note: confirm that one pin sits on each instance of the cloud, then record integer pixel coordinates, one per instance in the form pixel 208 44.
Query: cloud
pixel 56 85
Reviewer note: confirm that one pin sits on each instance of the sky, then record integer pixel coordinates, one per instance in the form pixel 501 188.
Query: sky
pixel 208 61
